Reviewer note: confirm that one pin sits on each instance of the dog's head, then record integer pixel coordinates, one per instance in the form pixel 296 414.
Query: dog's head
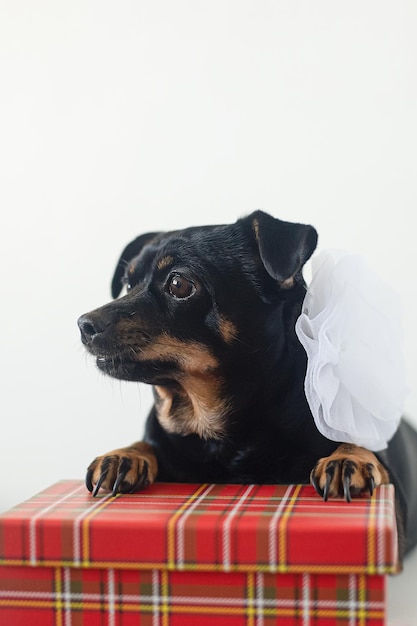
pixel 198 303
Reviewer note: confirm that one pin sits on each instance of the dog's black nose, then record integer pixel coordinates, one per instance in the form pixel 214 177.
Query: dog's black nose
pixel 90 326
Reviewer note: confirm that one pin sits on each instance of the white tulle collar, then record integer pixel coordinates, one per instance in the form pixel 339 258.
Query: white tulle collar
pixel 350 328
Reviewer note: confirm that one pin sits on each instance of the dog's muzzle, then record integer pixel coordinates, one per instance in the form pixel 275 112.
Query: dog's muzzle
pixel 91 327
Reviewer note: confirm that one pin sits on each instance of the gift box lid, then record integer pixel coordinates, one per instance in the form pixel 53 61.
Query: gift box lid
pixel 270 528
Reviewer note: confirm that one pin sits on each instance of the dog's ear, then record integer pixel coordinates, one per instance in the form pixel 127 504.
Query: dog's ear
pixel 284 247
pixel 129 253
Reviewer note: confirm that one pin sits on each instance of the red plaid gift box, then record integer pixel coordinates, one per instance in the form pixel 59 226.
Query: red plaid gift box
pixel 181 555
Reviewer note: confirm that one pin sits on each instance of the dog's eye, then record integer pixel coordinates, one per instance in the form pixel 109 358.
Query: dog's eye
pixel 180 287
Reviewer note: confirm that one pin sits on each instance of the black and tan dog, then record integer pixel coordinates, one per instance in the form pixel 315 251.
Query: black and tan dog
pixel 208 320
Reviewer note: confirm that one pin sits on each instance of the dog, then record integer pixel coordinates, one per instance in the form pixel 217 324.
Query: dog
pixel 209 321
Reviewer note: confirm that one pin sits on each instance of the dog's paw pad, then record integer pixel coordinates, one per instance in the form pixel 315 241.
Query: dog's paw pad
pixel 120 471
pixel 348 472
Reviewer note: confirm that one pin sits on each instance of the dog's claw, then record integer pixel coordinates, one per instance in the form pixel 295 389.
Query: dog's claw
pixel 346 488
pixel 143 481
pixel 330 469
pixel 88 481
pixel 100 482
pixel 329 476
pixel 124 467
pixel 371 485
pixel 315 483
pixel 120 478
pixel 349 468
pixel 104 471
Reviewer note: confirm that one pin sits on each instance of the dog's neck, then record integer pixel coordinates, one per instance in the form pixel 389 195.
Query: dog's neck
pixel 209 401
pixel 193 405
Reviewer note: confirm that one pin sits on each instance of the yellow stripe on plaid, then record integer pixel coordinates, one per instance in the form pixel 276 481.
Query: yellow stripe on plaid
pixel 173 523
pixel 365 615
pixel 362 613
pixel 202 609
pixel 251 590
pixel 85 525
pixel 372 519
pixel 165 596
pixel 282 528
pixel 208 567
pixel 58 604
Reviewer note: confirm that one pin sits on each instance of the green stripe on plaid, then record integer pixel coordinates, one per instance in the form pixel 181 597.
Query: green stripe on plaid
pixel 269 528
pixel 46 596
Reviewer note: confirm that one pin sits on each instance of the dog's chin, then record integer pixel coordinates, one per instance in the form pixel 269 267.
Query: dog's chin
pixel 123 368
pixel 120 368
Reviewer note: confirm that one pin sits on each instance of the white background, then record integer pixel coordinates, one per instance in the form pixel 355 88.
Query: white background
pixel 118 118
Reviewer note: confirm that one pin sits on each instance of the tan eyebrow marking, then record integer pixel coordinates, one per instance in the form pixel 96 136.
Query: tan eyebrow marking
pixel 164 262
pixel 227 329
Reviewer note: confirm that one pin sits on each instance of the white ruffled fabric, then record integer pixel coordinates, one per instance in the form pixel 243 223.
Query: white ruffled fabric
pixel 350 328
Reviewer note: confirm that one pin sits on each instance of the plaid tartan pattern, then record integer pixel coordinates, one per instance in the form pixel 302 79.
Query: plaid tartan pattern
pixel 180 555
pixel 87 597
pixel 247 528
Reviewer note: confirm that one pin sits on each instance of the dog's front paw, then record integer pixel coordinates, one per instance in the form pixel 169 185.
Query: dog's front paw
pixel 349 471
pixel 123 471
